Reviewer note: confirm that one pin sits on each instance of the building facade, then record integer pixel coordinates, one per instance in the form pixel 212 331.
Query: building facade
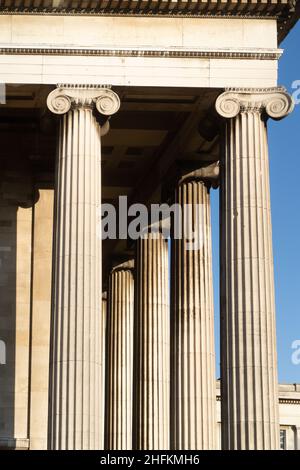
pixel 289 416
pixel 108 342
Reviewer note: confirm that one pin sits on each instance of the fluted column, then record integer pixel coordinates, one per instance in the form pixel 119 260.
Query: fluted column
pixel 248 338
pixel 75 365
pixel 297 437
pixel 103 327
pixel 193 381
pixel 151 344
pixel 119 361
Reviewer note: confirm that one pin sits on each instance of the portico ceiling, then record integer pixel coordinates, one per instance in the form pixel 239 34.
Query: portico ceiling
pixel 151 124
pixel 155 130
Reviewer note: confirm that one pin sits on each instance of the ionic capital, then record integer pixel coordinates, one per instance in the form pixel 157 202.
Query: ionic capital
pixel 66 97
pixel 125 266
pixel 274 102
pixel 209 175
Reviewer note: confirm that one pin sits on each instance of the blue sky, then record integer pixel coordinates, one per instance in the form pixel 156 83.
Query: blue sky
pixel 284 147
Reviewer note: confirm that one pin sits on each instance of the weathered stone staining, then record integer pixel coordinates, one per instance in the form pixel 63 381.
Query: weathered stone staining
pixel 248 339
pixel 75 375
pixel 151 344
pixel 119 358
pixel 192 322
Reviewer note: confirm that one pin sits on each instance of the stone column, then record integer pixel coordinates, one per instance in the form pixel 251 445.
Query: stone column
pixel 297 437
pixel 248 339
pixel 75 370
pixel 103 328
pixel 119 360
pixel 193 381
pixel 151 344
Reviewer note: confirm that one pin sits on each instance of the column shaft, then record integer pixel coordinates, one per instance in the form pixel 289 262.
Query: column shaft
pixel 248 338
pixel 297 437
pixel 119 362
pixel 193 385
pixel 151 344
pixel 103 332
pixel 75 349
pixel 74 419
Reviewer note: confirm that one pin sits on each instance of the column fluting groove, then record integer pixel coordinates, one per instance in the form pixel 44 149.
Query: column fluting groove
pixel 151 344
pixel 193 383
pixel 249 383
pixel 119 361
pixel 75 420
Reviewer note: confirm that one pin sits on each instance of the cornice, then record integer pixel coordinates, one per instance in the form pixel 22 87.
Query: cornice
pixel 286 12
pixel 133 12
pixel 282 401
pixel 260 54
pixel 204 8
